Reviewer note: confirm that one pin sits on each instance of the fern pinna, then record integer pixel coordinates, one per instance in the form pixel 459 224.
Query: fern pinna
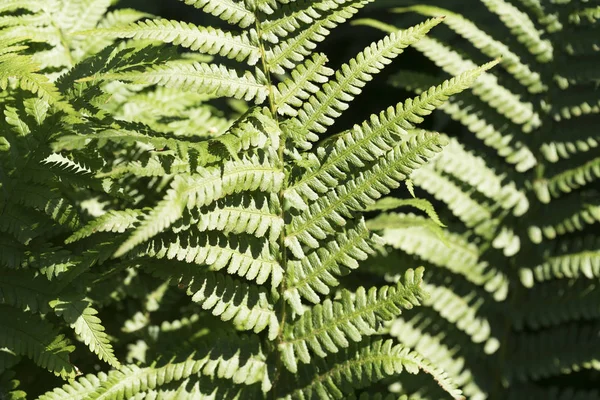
pixel 124 188
pixel 513 312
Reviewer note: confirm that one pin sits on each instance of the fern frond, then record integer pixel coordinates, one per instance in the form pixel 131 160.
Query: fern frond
pixel 219 354
pixel 495 134
pixel 487 88
pixel 589 15
pixel 463 313
pixel 138 383
pixel 25 71
pixel 574 260
pixel 13 5
pixel 522 28
pixel 12 118
pixel 454 252
pixel 469 168
pixel 476 214
pixel 286 54
pixel 360 192
pixel 82 318
pixel 331 325
pixel 253 261
pixel 296 14
pixel 556 150
pixel 389 203
pixel 207 150
pixel 247 306
pixel 545 15
pixel 231 11
pixel 576 104
pixel 131 379
pixel 121 17
pixel 242 215
pixel 372 138
pixel 316 273
pixel 370 361
pixel 202 189
pixel 197 77
pixel 321 109
pixel 205 40
pixel 35 338
pixel 576 218
pixel 81 15
pixel 486 43
pixel 112 221
pixel 471 212
pixel 202 389
pixel 292 93
pixel 413 333
pixel 130 184
pixel 79 389
pixel 572 179
pixel 545 332
pixel 10 47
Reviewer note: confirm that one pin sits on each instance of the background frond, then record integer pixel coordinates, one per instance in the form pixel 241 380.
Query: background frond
pixel 516 188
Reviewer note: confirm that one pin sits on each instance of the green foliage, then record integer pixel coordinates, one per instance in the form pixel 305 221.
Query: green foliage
pixel 157 241
pixel 513 278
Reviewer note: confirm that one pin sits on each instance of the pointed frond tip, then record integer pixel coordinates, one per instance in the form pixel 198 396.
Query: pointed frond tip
pixel 377 135
pixel 321 109
pixel 112 221
pixel 390 203
pixel 373 23
pixel 82 318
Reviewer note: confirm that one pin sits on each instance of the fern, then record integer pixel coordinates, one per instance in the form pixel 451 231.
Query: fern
pixel 198 249
pixel 85 323
pixel 32 337
pixel 511 308
pixel 328 326
pixel 205 40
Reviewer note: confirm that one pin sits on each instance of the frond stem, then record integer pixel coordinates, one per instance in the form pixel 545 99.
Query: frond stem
pixel 267 72
pixel 282 247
